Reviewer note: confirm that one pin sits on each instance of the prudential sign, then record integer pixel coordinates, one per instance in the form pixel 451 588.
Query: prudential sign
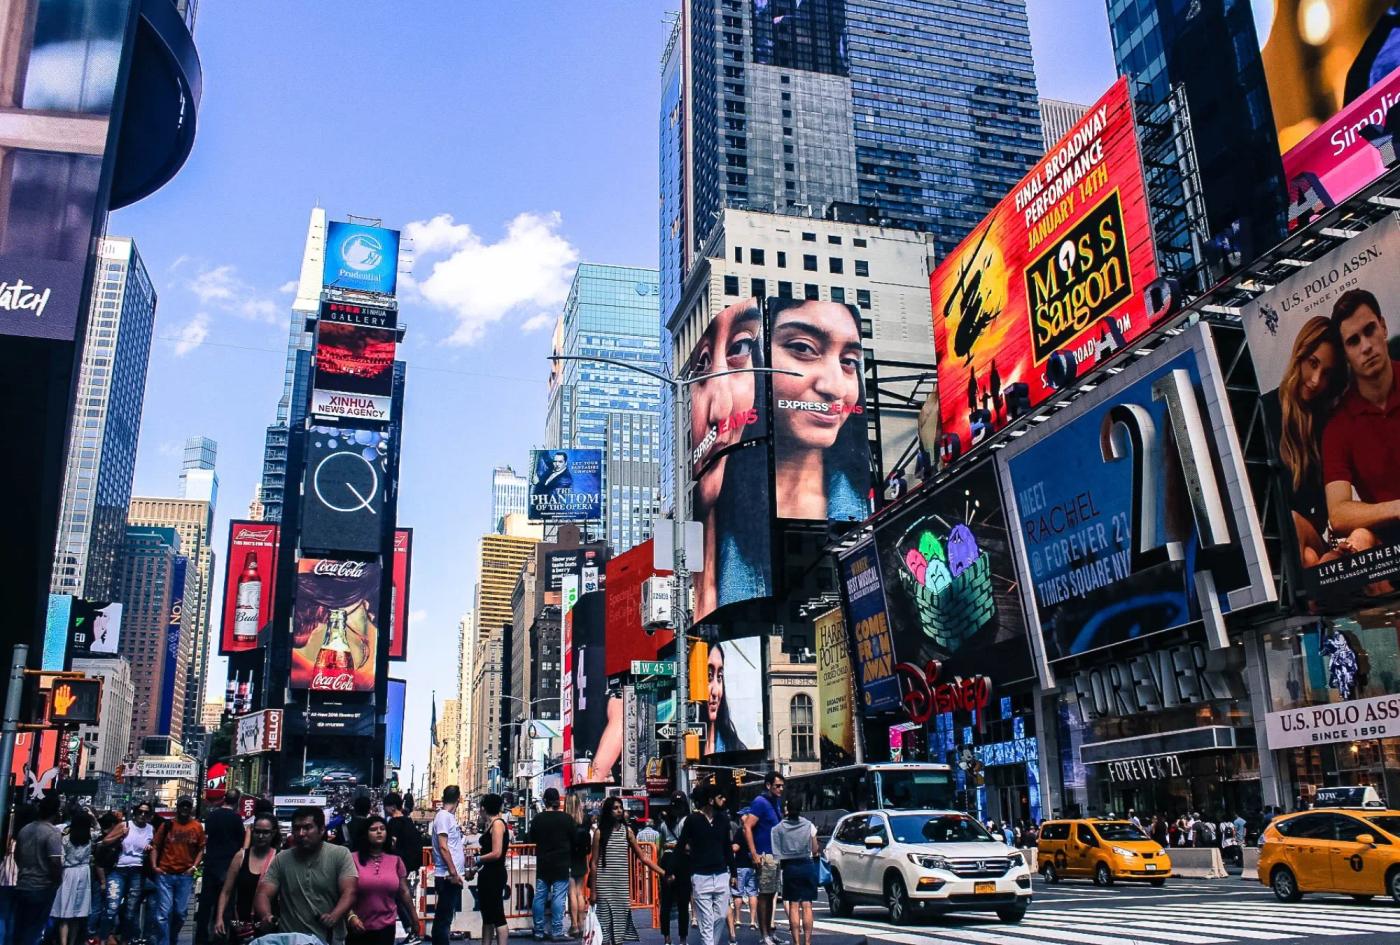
pixel 361 258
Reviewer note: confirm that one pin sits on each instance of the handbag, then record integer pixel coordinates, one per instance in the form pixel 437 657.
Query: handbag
pixel 823 872
pixel 592 928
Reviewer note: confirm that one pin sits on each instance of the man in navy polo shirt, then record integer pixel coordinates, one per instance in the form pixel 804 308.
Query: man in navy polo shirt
pixel 763 816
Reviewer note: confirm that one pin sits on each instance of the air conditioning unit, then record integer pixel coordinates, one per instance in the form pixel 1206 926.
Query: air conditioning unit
pixel 656 603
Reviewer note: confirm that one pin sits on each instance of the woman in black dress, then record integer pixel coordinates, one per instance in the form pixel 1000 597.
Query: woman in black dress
pixel 491 878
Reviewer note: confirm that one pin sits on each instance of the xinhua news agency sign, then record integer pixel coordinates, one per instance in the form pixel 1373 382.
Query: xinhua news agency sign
pixel 1378 717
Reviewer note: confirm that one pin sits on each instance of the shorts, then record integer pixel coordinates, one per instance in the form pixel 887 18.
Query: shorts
pixel 748 883
pixel 799 881
pixel 767 874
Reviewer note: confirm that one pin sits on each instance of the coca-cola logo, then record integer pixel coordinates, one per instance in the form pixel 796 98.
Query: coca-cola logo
pixel 344 569
pixel 343 682
pixel 257 536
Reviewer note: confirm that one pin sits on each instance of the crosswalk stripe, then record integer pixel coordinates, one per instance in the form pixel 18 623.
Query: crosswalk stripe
pixel 1023 935
pixel 1314 924
pixel 1264 913
pixel 1153 922
pixel 1228 923
pixel 1158 930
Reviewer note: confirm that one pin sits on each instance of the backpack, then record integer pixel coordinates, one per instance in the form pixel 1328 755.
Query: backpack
pixel 408 842
pixel 1205 832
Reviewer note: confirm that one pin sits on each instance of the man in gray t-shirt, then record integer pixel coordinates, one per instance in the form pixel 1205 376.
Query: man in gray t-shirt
pixel 314 883
pixel 39 859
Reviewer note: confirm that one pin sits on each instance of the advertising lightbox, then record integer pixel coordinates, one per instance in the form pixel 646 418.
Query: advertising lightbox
pixel 354 376
pixel 361 258
pixel 835 696
pixel 95 628
pixel 335 625
pixel 1057 272
pixel 734 712
pixel 1131 508
pixel 398 602
pixel 250 570
pixel 566 485
pixel 342 506
pixel 868 618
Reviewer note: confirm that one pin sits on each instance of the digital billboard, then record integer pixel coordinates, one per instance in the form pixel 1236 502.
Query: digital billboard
pixel 1055 274
pixel 393 722
pixel 560 564
pixel 398 601
pixel 868 618
pixel 170 650
pixel 566 485
pixel 835 695
pixel 1132 504
pixel 1321 342
pixel 343 498
pixel 627 640
pixel 597 722
pixel 361 258
pixel 94 628
pixel 335 625
pixel 250 572
pixel 365 316
pixel 821 449
pixel 1334 85
pixel 354 371
pixel 734 708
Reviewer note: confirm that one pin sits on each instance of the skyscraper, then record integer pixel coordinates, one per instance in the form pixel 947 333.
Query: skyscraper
pixel 148 584
pixel 102 452
pixel 198 479
pixel 510 495
pixel 1058 117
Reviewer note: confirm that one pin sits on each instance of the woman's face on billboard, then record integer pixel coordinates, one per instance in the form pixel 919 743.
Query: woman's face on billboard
pixel 820 341
pixel 721 407
pixel 716 683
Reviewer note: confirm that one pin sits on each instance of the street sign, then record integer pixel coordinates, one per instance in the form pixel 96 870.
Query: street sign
pixel 653 668
pixel 165 769
pixel 663 546
pixel 667 730
pixel 299 800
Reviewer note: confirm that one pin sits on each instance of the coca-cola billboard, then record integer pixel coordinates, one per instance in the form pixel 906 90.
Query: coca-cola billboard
pixel 335 625
pixel 250 574
pixel 398 602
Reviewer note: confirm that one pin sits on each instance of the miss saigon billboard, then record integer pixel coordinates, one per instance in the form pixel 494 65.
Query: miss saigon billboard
pixel 1058 270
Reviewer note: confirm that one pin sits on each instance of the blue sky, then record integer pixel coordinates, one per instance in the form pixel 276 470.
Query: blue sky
pixel 512 140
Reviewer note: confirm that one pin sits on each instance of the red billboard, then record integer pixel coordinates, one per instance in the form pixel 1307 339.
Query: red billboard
pixel 1053 279
pixel 354 371
pixel 627 641
pixel 250 573
pixel 398 599
pixel 335 625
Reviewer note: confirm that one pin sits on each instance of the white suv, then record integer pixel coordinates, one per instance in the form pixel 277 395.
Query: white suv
pixel 931 860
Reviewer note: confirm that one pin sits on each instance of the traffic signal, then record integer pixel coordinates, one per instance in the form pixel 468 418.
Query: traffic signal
pixel 699 672
pixel 75 701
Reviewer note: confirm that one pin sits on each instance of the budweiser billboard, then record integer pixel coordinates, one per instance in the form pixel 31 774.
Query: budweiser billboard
pixel 335 625
pixel 398 594
pixel 250 573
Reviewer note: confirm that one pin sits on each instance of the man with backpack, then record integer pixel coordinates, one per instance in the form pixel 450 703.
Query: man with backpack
pixel 1205 832
pixel 405 842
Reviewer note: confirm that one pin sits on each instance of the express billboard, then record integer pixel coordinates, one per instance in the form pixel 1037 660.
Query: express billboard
pixel 821 449
pixel 250 570
pixel 342 506
pixel 335 625
pixel 864 593
pixel 354 371
pixel 1131 507
pixel 1334 85
pixel 398 600
pixel 566 485
pixel 1321 342
pixel 1055 274
pixel 361 258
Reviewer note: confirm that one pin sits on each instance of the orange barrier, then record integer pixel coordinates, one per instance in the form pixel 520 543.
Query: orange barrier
pixel 646 885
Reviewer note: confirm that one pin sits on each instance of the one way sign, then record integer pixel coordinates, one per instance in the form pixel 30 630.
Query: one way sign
pixel 667 730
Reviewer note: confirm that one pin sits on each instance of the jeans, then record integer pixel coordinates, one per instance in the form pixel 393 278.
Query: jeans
pixel 711 905
pixel 449 901
pixel 209 890
pixel 555 894
pixel 172 902
pixel 32 907
pixel 124 889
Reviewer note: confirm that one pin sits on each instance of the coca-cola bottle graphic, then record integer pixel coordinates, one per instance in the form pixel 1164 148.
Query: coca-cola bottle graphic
pixel 335 664
pixel 244 699
pixel 248 604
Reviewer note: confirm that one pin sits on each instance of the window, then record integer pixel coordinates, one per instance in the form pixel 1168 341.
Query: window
pixel 838 294
pixel 863 298
pixel 810 292
pixel 731 285
pixel 787 114
pixel 858 243
pixel 790 167
pixel 782 260
pixel 867 328
pixel 787 149
pixel 833 239
pixel 786 80
pixel 853 829
pixel 1084 835
pixel 809 263
pixel 755 257
pixel 759 288
pixel 787 96
pixel 784 290
pixel 803 738
pixel 837 265
pixel 862 267
pixel 738 254
pixel 809 237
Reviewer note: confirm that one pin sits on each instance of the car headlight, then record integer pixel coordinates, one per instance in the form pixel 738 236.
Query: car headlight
pixel 1126 854
pixel 929 862
pixel 1015 859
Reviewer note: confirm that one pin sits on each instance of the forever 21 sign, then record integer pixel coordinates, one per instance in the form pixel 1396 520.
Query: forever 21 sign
pixel 40 298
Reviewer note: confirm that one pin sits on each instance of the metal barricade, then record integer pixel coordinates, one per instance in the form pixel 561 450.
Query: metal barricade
pixel 646 885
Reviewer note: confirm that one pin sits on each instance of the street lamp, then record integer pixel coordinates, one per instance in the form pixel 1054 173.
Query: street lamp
pixel 680 390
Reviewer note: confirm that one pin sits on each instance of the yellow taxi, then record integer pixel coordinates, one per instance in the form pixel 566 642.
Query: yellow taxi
pixel 1353 851
pixel 1102 850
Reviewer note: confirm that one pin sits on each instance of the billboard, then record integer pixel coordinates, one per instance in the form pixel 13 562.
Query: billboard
pixel 1058 270
pixel 1131 507
pixel 1321 342
pixel 835 696
pixel 250 570
pixel 354 371
pixel 597 713
pixel 627 640
pixel 327 717
pixel 343 498
pixel 335 625
pixel 566 485
pixel 1334 82
pixel 58 620
pixel 821 449
pixel 734 709
pixel 953 595
pixel 361 258
pixel 365 316
pixel 864 593
pixel 94 628
pixel 393 722
pixel 398 599
pixel 560 564
pixel 258 732
pixel 170 655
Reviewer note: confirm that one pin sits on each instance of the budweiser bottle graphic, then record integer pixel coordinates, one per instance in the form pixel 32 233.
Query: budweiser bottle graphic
pixel 248 603
pixel 335 666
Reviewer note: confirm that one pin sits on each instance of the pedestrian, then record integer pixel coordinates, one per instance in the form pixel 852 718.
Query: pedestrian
pixel 705 844
pixel 406 843
pixel 1159 831
pixel 795 846
pixel 758 830
pixel 359 815
pixel 1008 835
pixel 126 881
pixel 675 879
pixel 491 883
pixel 381 886
pixel 1241 832
pixel 614 844
pixel 223 837
pixel 449 863
pixel 1205 833
pixel 313 883
pixel 177 851
pixel 1229 844
pixel 73 903
pixel 745 880
pixel 1135 820
pixel 552 833
pixel 241 879
pixel 106 848
pixel 39 870
pixel 1031 835
pixel 578 865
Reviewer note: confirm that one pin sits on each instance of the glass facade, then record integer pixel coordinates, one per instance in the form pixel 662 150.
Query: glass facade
pixel 510 495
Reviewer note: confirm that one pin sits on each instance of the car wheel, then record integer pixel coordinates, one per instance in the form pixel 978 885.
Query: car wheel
pixel 1050 874
pixel 1362 897
pixel 1285 885
pixel 1012 913
pixel 1158 882
pixel 1103 876
pixel 1392 884
pixel 897 901
pixel 836 902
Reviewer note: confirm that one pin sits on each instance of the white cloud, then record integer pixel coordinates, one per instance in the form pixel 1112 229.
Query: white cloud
pixel 481 283
pixel 191 334
pixel 215 285
pixel 538 322
pixel 223 288
pixel 288 288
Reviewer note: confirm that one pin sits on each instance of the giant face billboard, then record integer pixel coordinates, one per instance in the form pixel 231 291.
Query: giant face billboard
pixel 566 485
pixel 1334 83
pixel 354 371
pixel 734 710
pixel 335 625
pixel 1131 507
pixel 1053 279
pixel 821 450
pixel 250 571
pixel 343 497
pixel 596 720
pixel 398 602
pixel 1321 342
pixel 361 258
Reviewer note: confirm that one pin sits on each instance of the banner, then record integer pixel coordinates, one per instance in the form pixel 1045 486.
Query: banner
pixel 361 258
pixel 1361 719
pixel 864 593
pixel 398 599
pixel 335 625
pixel 354 372
pixel 1057 270
pixel 250 572
pixel 835 702
pixel 1317 340
pixel 566 485
pixel 170 658
pixel 1131 501
pixel 734 710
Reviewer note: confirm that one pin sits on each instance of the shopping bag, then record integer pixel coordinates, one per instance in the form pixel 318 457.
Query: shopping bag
pixel 823 872
pixel 592 928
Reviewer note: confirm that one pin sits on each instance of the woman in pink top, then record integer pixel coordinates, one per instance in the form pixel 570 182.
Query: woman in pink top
pixel 383 882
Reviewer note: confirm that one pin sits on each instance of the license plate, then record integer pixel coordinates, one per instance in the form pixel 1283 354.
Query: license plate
pixel 980 889
pixel 1151 867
